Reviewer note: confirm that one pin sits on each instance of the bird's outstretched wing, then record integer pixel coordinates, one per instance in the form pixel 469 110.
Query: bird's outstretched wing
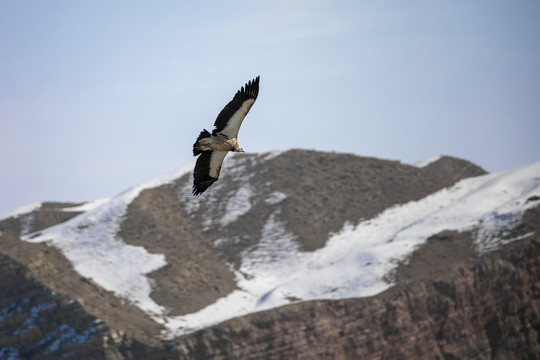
pixel 230 118
pixel 207 169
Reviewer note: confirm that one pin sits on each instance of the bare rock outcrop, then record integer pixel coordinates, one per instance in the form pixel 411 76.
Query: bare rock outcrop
pixel 454 168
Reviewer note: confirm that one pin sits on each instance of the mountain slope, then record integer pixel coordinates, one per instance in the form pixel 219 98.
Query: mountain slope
pixel 277 228
pixel 37 323
pixel 481 308
pixel 103 249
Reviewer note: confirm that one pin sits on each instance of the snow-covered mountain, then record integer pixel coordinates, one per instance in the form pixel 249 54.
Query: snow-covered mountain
pixel 278 228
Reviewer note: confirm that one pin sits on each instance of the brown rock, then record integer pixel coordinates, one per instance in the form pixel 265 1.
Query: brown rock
pixel 478 308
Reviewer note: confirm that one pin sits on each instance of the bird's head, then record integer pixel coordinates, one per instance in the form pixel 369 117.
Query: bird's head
pixel 236 147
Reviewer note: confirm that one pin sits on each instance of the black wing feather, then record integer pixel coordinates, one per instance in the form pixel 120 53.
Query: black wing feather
pixel 203 134
pixel 201 174
pixel 250 91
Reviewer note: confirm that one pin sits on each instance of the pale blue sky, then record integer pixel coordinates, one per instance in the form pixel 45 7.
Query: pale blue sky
pixel 98 96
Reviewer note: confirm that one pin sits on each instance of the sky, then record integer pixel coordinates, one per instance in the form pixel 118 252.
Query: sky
pixel 96 97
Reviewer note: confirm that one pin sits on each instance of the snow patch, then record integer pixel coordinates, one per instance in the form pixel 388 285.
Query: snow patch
pixel 261 270
pixel 26 223
pixel 275 198
pixel 217 213
pixel 272 154
pixel 87 206
pixel 426 162
pixel 90 242
pixel 23 210
pixel 276 245
pixel 237 205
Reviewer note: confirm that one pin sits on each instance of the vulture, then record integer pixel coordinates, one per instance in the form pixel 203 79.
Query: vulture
pixel 213 147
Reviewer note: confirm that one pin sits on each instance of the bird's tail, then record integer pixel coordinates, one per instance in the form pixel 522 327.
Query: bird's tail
pixel 203 134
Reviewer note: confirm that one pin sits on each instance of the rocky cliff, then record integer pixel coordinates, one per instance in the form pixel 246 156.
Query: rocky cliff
pixel 449 304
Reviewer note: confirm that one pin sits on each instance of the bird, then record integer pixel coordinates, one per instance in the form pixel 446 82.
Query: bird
pixel 213 147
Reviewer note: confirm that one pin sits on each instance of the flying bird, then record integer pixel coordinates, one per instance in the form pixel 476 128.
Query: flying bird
pixel 212 148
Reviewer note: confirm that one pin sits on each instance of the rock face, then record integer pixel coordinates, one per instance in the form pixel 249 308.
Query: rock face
pixel 36 323
pixel 477 308
pixel 448 303
pixel 33 319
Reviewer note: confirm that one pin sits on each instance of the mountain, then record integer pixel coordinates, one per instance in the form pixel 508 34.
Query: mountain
pixel 451 167
pixel 289 253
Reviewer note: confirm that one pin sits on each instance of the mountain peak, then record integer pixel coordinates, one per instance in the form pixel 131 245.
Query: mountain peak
pixel 451 167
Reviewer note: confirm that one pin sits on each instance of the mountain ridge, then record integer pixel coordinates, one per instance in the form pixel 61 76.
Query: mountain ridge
pixel 264 208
